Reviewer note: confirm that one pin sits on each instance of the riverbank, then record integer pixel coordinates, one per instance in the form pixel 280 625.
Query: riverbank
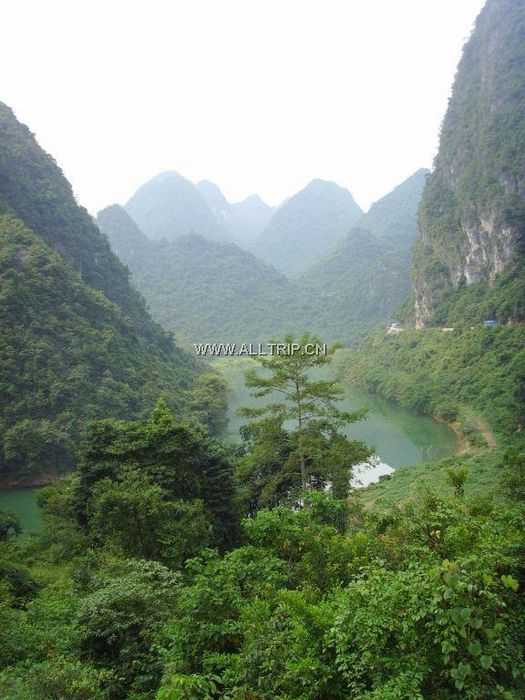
pixel 476 449
pixel 13 481
pixel 472 432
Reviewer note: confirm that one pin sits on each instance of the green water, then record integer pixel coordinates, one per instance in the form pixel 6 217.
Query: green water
pixel 400 437
pixel 23 502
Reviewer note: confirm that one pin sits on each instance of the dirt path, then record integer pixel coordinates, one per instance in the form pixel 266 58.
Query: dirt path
pixel 464 445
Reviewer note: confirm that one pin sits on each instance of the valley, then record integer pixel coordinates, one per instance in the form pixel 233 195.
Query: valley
pixel 342 523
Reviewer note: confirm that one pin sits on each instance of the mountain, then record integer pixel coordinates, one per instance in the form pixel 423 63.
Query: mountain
pixel 307 227
pixel 206 290
pixel 217 202
pixel 472 218
pixel 393 218
pixel 367 277
pixel 243 220
pixel 250 218
pixel 169 206
pixel 209 291
pixel 77 342
pixel 125 237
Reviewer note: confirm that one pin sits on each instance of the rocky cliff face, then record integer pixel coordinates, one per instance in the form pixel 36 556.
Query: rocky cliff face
pixel 472 216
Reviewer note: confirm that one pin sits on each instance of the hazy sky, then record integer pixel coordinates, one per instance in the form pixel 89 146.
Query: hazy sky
pixel 255 95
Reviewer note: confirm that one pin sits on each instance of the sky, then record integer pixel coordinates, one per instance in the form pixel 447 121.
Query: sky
pixel 258 96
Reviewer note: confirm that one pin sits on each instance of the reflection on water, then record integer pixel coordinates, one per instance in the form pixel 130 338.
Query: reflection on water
pixel 369 473
pixel 23 503
pixel 400 437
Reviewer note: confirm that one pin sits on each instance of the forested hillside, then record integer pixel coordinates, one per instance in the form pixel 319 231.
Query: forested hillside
pixel 170 568
pixel 440 373
pixel 205 291
pixel 77 341
pixel 472 219
pixel 367 278
pixel 33 188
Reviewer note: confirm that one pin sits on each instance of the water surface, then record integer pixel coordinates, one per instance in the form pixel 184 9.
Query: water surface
pixel 399 436
pixel 23 503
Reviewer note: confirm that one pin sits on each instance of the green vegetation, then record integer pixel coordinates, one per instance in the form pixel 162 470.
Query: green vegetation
pixel 294 441
pixel 472 217
pixel 68 355
pixel 142 586
pixel 34 190
pixel 204 290
pixel 483 484
pixel 77 341
pixel 441 373
pixel 207 291
pixel 173 567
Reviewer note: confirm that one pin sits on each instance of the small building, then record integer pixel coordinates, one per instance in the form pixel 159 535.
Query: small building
pixel 448 330
pixel 490 323
pixel 394 328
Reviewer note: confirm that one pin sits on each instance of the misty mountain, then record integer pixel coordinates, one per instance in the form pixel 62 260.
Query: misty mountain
pixel 307 227
pixel 208 291
pixel 243 220
pixel 250 218
pixel 217 202
pixel 205 291
pixel 393 218
pixel 169 206
pixel 367 277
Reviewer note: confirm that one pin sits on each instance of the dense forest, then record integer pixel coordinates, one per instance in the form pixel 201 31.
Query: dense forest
pixel 176 564
pixel 171 568
pixel 77 341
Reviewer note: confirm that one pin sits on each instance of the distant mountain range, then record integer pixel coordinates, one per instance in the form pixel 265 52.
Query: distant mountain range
pixel 367 277
pixel 214 291
pixel 291 237
pixel 244 220
pixel 170 206
pixel 205 291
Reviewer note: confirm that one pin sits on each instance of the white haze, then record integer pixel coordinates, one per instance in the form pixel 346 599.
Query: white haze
pixel 255 95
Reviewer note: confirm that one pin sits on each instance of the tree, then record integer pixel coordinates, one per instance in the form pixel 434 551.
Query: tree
pixel 9 525
pixel 119 621
pixel 208 401
pixel 134 514
pixel 318 448
pixel 457 478
pixel 178 460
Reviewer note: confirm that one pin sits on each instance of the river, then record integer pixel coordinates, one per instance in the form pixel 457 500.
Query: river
pixel 23 502
pixel 400 437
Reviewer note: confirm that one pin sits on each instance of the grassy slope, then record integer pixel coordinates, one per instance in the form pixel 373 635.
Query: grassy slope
pixel 484 469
